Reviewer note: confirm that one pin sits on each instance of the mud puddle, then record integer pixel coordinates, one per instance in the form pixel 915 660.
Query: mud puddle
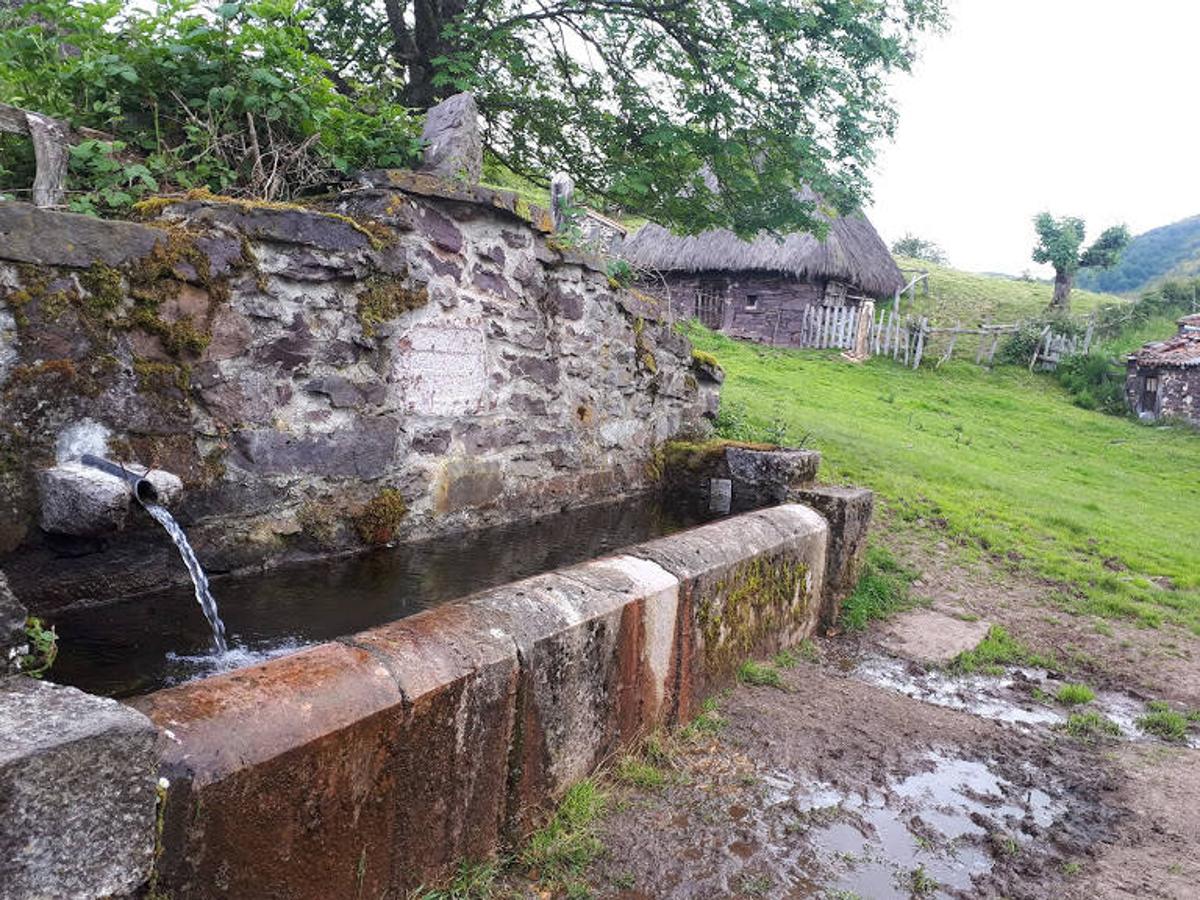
pixel 929 834
pixel 1021 696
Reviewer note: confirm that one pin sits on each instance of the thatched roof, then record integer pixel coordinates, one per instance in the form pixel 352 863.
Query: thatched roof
pixel 852 252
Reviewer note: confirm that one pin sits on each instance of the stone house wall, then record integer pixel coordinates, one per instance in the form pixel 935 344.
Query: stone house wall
pixel 762 307
pixel 1178 394
pixel 414 359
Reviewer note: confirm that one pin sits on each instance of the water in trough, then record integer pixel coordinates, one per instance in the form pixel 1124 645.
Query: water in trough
pixel 140 644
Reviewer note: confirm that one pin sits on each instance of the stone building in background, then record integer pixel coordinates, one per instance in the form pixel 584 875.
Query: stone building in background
pixel 1163 378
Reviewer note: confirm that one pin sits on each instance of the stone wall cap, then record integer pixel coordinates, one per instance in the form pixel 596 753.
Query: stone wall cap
pixel 426 184
pixel 46 237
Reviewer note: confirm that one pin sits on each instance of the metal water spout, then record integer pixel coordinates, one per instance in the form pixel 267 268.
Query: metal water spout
pixel 91 496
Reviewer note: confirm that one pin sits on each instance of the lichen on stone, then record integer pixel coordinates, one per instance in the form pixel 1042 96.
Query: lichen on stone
pixel 376 524
pixel 385 299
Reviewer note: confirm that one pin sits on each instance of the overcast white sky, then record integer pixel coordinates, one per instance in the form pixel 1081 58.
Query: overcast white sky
pixel 1081 107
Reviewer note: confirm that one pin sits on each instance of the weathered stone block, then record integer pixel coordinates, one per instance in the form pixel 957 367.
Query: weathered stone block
pixel 48 238
pixel 848 511
pixel 83 501
pixel 77 793
pixel 459 682
pixel 751 584
pixel 79 500
pixel 453 148
pixel 764 476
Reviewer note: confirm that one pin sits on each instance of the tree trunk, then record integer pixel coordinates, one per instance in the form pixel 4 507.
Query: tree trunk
pixel 418 44
pixel 1063 281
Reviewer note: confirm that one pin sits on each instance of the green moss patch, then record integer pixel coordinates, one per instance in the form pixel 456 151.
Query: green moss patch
pixel 376 524
pixel 385 299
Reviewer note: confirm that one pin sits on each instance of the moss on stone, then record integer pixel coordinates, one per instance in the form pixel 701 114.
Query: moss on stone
pixel 385 299
pixel 319 521
pixel 376 524
pixel 160 378
pixel 105 289
pixel 700 358
pixel 697 456
pixel 641 344
pixel 765 595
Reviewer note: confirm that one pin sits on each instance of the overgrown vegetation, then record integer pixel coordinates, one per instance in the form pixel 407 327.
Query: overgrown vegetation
pixel 228 97
pixel 1101 505
pixel 882 589
pixel 43 648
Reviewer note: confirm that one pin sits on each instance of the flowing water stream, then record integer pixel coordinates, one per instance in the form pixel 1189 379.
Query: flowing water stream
pixel 199 579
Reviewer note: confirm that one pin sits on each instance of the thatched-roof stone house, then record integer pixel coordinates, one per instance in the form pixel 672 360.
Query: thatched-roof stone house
pixel 761 289
pixel 1163 378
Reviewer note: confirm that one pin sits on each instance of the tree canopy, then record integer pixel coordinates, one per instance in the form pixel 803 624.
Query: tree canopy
pixel 698 114
pixel 1059 242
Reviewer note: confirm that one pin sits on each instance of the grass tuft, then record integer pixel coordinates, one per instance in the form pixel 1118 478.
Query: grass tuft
pixel 997 650
pixel 1090 725
pixel 882 589
pixel 759 674
pixel 1075 694
pixel 558 853
pixel 1164 722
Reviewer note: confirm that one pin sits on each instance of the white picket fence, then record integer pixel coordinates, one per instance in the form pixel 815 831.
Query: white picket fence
pixel 828 327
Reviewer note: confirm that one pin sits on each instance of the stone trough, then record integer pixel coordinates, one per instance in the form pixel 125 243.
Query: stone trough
pixel 413 360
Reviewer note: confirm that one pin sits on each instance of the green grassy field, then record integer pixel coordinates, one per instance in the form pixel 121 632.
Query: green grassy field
pixel 999 458
pixel 966 297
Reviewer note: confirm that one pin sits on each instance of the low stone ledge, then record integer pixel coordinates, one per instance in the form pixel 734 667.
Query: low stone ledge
pixel 45 237
pixel 77 793
pixel 848 511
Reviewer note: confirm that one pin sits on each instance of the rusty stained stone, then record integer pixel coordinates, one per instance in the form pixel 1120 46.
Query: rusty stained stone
pixel 459 681
pixel 282 778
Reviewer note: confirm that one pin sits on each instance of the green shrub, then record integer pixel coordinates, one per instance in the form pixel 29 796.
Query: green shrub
pixel 196 95
pixel 1093 382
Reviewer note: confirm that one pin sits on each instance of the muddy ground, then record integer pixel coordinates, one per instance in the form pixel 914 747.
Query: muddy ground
pixel 868 775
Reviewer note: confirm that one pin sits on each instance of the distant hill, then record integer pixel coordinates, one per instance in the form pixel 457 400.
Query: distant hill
pixel 1170 251
pixel 971 297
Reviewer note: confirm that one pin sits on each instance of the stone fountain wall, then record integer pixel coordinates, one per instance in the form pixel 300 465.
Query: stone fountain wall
pixel 413 358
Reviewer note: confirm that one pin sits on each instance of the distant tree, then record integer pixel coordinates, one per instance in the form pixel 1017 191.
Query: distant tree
pixel 1059 241
pixel 918 248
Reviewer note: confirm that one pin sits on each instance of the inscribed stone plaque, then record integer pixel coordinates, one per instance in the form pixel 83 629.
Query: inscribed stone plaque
pixel 441 370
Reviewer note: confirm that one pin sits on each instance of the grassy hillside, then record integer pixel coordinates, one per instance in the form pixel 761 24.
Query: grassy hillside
pixel 1001 459
pixel 967 297
pixel 1172 251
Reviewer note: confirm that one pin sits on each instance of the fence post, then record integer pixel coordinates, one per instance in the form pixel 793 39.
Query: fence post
pixel 920 342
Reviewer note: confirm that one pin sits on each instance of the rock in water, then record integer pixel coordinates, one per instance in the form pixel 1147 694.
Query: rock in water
pixel 453 148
